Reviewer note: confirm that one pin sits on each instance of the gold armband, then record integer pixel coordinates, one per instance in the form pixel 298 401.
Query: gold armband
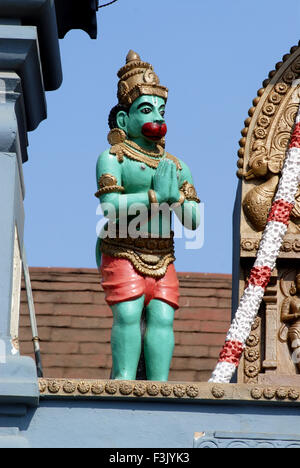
pixel 152 197
pixel 181 198
pixel 108 184
pixel 189 192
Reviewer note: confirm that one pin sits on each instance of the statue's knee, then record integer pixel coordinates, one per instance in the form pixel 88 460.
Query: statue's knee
pixel 126 315
pixel 164 319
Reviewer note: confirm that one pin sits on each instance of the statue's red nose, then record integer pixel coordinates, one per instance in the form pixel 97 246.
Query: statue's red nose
pixel 154 131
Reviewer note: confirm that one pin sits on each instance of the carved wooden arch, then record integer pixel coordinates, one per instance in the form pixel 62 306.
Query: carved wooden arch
pixel 265 140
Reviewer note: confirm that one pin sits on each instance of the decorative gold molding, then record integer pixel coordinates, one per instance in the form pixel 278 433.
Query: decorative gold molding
pixel 251 245
pixel 177 391
pixel 259 131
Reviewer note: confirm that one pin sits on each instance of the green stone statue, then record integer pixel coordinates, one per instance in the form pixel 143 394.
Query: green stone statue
pixel 139 186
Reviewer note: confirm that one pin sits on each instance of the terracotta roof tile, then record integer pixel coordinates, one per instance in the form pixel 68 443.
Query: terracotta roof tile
pixel 75 323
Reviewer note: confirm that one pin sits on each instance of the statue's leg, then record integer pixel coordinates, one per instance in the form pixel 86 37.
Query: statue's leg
pixel 159 340
pixel 126 338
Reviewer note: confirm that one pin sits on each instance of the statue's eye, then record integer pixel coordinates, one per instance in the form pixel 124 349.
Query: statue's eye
pixel 146 110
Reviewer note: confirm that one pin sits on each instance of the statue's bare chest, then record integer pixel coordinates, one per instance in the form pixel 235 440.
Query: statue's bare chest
pixel 136 176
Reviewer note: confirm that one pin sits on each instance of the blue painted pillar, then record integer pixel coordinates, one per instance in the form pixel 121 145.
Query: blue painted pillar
pixel 18 379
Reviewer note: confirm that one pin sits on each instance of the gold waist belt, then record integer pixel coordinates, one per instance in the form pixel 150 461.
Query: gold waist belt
pixel 150 257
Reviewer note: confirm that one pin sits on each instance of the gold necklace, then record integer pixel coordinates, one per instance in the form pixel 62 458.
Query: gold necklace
pixel 158 153
pixel 122 150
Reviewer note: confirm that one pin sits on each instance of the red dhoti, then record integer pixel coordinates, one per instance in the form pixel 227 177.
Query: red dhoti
pixel 121 282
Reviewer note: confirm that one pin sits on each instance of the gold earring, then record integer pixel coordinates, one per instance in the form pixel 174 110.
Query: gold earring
pixel 116 136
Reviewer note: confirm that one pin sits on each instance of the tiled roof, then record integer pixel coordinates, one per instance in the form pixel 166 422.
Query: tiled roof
pixel 74 323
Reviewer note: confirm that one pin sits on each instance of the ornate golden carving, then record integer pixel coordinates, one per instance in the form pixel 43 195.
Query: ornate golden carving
pixel 108 184
pixel 97 388
pixel 69 387
pixel 126 388
pixel 116 136
pixel 139 389
pixel 123 149
pixel 269 392
pixel 150 257
pixel 256 393
pixel 138 78
pixel 179 390
pixel 257 203
pixel 265 140
pixel 83 387
pixel 153 389
pixel 218 392
pixel 54 386
pixel 252 356
pixel 290 316
pixel 192 391
pixel 57 388
pixel 189 192
pixel 166 390
pixel 157 153
pixel 111 387
pixel 289 245
pixel 42 386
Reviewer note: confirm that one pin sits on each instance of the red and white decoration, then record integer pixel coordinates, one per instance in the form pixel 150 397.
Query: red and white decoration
pixel 267 255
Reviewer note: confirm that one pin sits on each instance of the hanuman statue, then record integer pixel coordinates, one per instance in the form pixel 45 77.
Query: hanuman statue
pixel 135 254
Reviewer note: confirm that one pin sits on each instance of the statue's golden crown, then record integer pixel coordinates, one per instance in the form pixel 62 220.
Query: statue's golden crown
pixel 137 78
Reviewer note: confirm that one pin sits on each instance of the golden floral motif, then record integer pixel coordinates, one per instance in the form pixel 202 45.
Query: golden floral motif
pixel 166 390
pixel 260 132
pixel 256 393
pixel 192 391
pixel 139 389
pixel 218 392
pixel 281 88
pixel 42 386
pixel 282 393
pixel 97 388
pixel 269 393
pixel 275 98
pixel 296 67
pixel 289 77
pixel 125 388
pixel 264 121
pixel 293 394
pixel 54 386
pixel 83 387
pixel 69 387
pixel 179 390
pixel 111 388
pixel 252 340
pixel 269 109
pixel 251 371
pixel 251 355
pixel 153 389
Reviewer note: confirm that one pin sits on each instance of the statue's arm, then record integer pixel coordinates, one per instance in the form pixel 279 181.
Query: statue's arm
pixel 189 212
pixel 286 315
pixel 111 193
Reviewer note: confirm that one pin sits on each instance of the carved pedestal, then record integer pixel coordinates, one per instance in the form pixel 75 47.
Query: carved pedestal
pixel 271 353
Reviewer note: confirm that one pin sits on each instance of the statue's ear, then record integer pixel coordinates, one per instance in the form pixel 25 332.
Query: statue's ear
pixel 122 120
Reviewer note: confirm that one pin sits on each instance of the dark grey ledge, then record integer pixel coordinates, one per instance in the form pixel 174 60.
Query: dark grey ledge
pixel 42 14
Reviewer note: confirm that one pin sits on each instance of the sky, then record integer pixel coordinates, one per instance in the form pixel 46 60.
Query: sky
pixel 213 57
